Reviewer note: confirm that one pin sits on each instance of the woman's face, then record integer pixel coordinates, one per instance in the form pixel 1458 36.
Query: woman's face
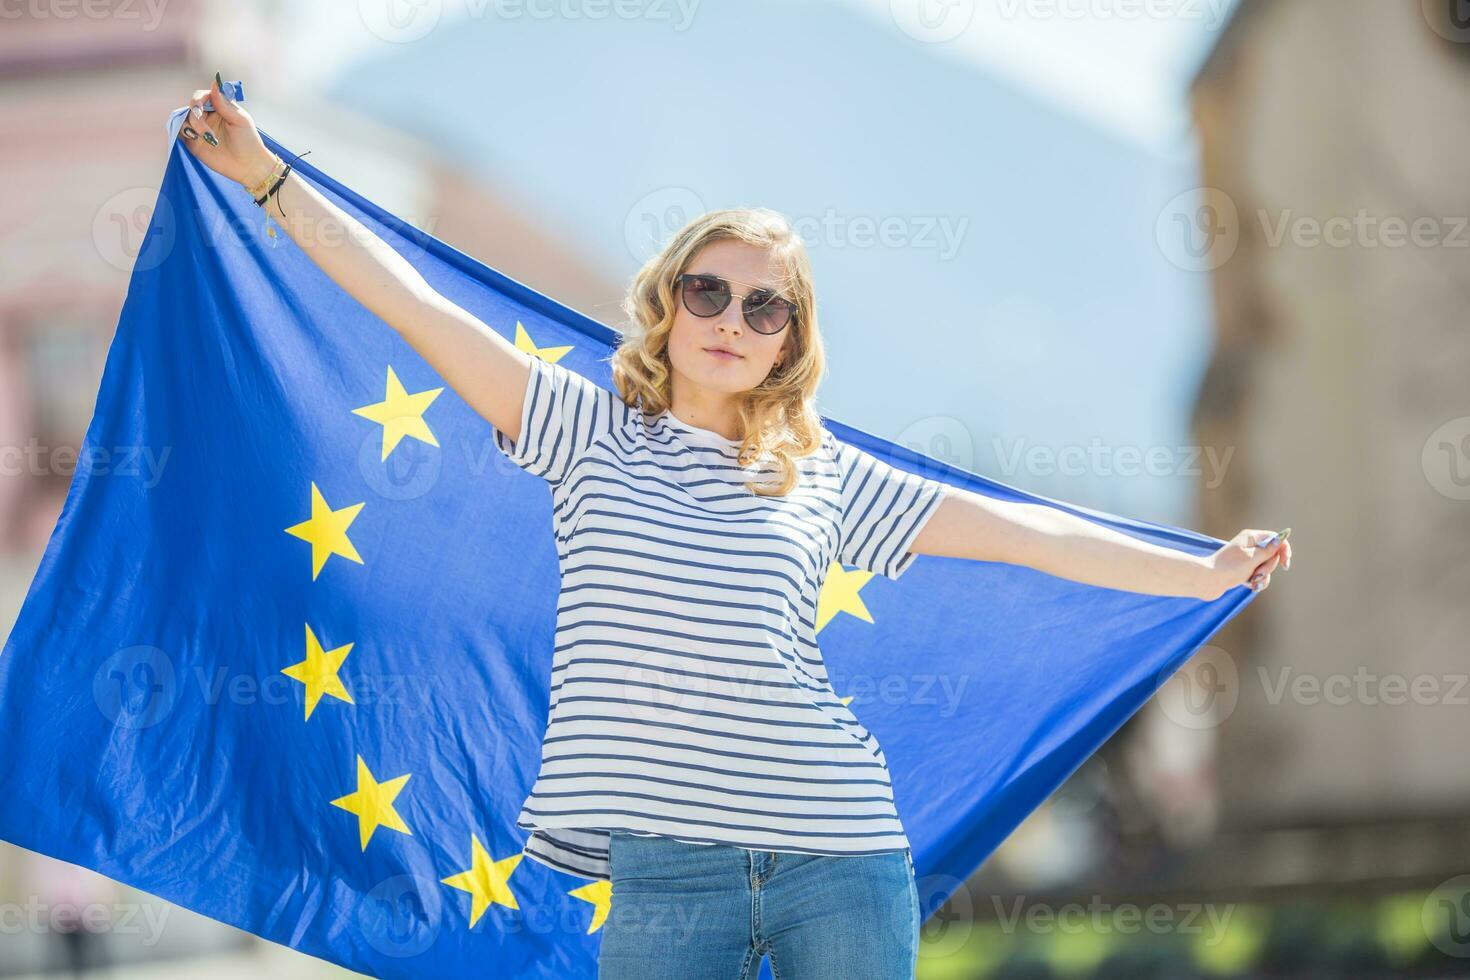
pixel 748 268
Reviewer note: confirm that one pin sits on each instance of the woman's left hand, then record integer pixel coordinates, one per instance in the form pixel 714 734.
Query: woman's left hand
pixel 1243 561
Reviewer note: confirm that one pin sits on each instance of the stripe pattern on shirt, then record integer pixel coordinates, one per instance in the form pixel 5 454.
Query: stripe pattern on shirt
pixel 689 698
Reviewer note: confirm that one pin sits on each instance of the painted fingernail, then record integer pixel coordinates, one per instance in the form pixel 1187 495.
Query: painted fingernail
pixel 189 133
pixel 209 138
pixel 219 83
pixel 196 112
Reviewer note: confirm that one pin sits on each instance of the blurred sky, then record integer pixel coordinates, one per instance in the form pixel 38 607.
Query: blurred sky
pixel 1053 133
pixel 1110 60
pixel 1116 62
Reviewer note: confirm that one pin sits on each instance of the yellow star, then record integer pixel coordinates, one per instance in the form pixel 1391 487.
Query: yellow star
pixel 549 354
pixel 319 672
pixel 327 531
pixel 840 594
pixel 599 893
pixel 486 881
pixel 373 803
pixel 401 414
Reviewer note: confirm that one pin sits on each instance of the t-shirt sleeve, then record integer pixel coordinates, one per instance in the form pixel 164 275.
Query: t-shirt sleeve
pixel 563 414
pixel 883 509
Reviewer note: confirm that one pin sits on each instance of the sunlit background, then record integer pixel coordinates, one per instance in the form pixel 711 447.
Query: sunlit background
pixel 1199 262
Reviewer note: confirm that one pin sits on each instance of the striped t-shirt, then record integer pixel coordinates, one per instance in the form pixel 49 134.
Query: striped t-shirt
pixel 688 695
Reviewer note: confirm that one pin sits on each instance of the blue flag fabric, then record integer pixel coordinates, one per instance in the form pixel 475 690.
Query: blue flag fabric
pixel 285 660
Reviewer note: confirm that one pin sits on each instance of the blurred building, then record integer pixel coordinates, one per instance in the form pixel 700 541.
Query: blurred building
pixel 1334 223
pixel 78 109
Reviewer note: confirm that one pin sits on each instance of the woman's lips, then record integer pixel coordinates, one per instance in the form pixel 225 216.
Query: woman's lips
pixel 722 354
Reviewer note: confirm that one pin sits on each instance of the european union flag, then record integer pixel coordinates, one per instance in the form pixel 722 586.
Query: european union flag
pixel 294 674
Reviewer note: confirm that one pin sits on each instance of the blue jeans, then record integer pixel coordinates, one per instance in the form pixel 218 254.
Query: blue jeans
pixel 709 911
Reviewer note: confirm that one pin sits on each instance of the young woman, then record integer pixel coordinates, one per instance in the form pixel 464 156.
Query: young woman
pixel 696 755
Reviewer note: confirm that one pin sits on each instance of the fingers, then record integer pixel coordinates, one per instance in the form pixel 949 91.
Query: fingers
pixel 205 127
pixel 1267 560
pixel 200 137
pixel 1250 537
pixel 1261 578
pixel 218 105
pixel 201 126
pixel 189 131
pixel 226 109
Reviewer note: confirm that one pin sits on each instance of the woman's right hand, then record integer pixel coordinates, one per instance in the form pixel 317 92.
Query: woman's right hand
pixel 484 368
pixel 237 152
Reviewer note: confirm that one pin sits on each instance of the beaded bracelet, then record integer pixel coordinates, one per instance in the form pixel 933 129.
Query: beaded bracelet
pixel 274 187
pixel 256 190
pixel 276 180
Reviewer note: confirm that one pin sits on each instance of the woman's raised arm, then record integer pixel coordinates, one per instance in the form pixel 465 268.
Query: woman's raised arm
pixel 972 525
pixel 485 369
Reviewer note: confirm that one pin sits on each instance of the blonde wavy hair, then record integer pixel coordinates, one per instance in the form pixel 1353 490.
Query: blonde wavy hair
pixel 778 417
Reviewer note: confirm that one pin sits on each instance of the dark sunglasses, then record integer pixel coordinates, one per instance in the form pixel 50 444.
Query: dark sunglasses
pixel 707 295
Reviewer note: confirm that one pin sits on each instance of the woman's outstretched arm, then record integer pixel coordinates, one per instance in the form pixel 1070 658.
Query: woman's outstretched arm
pixel 485 369
pixel 972 525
